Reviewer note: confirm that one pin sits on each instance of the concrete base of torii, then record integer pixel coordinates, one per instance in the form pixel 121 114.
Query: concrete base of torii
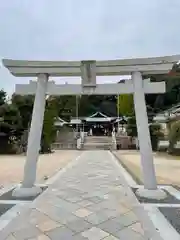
pixel 22 192
pixel 156 194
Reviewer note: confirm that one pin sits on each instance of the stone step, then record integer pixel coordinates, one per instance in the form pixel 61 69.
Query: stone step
pixel 98 139
pixel 107 147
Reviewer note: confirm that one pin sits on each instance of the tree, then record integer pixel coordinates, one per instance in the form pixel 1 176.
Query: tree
pixel 49 131
pixel 125 104
pixel 24 104
pixel 155 133
pixel 154 129
pixel 66 106
pixel 10 127
pixel 174 135
pixel 131 127
pixel 2 97
pixel 84 106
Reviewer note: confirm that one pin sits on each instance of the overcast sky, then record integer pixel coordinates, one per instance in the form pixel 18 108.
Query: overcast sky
pixel 86 29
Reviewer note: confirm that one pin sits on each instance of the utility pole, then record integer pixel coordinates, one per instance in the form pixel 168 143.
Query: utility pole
pixel 118 110
pixel 77 111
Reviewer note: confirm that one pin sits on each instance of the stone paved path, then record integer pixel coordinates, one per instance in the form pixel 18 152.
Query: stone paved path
pixel 91 200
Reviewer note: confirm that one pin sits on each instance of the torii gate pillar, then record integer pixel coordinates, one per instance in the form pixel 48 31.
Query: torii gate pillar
pixel 34 141
pixel 150 189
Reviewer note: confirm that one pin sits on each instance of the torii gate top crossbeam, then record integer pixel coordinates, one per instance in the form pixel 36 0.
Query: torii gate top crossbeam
pixel 147 66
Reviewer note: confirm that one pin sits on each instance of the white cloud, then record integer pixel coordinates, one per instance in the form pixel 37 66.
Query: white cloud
pixel 96 29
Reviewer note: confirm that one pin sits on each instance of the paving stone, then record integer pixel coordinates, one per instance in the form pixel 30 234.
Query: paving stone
pixel 78 237
pixel 48 225
pixel 95 207
pixel 126 219
pixel 25 233
pixel 62 233
pixel 110 226
pixel 127 233
pixel 137 227
pixel 97 218
pixel 85 203
pixel 62 216
pixel 79 225
pixel 65 204
pixel 110 213
pixel 74 199
pixel 95 199
pixel 111 238
pixel 37 217
pixel 11 237
pixel 122 209
pixel 90 201
pixel 21 222
pixel 40 237
pixel 43 205
pixel 71 195
pixel 82 212
pixel 95 234
pixel 67 218
pixel 106 196
pixel 43 237
pixel 109 204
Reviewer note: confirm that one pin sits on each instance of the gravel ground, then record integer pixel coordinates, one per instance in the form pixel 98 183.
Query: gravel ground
pixel 167 167
pixel 12 166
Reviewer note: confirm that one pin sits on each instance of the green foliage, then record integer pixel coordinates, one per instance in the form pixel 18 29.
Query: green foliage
pixel 174 135
pixel 85 106
pixel 24 104
pixel 49 130
pixel 155 134
pixel 131 127
pixel 155 131
pixel 171 97
pixel 15 117
pixel 125 104
pixel 10 127
pixel 66 106
pixel 2 97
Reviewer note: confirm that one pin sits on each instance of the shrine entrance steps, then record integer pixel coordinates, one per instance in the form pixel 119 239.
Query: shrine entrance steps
pixel 97 143
pixel 65 140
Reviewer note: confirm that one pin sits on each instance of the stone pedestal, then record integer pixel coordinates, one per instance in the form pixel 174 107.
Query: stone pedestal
pixel 23 192
pixel 157 194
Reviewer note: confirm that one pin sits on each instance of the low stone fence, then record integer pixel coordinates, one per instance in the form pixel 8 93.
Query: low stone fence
pixel 59 146
pixel 125 142
pixel 164 144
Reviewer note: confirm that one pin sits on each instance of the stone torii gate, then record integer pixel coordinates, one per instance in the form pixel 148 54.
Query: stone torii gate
pixel 88 70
